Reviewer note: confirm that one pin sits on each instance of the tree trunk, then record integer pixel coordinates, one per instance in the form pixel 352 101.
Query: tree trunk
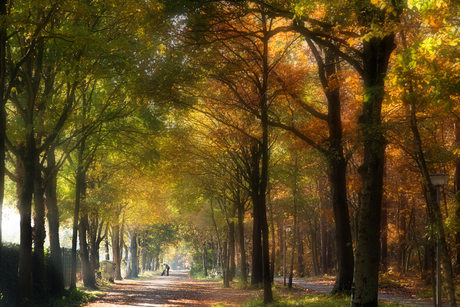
pixel 39 232
pixel 88 273
pixel 300 260
pixel 116 250
pixel 376 54
pixel 257 265
pixel 204 257
pixel 79 178
pixel 133 262
pixel 231 250
pixel 225 264
pixel 57 274
pixel 328 73
pixel 243 261
pixel 273 245
pixel 3 99
pixel 401 234
pixel 384 237
pixel 457 192
pixel 26 188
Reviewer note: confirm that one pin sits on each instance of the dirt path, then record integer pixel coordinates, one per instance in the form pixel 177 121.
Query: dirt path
pixel 177 289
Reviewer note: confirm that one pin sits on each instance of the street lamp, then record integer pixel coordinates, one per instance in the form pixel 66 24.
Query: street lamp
pixel 438 180
pixel 286 229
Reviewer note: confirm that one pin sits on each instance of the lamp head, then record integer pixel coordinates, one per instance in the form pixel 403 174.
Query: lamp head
pixel 439 179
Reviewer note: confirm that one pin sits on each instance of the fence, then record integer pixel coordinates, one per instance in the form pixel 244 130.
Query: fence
pixel 67 265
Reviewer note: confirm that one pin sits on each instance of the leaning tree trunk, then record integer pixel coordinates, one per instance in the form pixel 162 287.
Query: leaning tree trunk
pixel 434 207
pixel 328 73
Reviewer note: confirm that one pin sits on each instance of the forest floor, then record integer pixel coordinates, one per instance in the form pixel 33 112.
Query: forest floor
pixel 179 289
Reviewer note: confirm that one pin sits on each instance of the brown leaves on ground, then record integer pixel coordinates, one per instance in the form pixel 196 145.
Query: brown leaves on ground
pixel 179 289
pixel 174 290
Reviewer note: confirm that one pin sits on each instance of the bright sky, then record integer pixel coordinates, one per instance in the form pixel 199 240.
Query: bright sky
pixel 10 228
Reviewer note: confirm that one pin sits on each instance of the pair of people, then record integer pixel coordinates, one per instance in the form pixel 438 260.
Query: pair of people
pixel 166 270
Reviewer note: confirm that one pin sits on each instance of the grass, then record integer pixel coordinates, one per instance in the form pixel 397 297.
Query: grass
pixel 323 300
pixel 71 298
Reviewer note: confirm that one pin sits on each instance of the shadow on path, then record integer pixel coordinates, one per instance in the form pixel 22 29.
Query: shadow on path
pixel 177 289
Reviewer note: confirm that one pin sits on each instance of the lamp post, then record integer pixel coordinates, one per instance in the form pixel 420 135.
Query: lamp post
pixel 438 180
pixel 286 229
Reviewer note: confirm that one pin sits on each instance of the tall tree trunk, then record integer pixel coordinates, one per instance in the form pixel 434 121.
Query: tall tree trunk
pixel 225 264
pixel 3 43
pixel 323 229
pixel 376 55
pixel 39 232
pixel 133 253
pixel 273 245
pixel 57 274
pixel 457 192
pixel 384 237
pixel 328 73
pixel 402 234
pixel 116 250
pixel 294 228
pixel 300 260
pixel 231 250
pixel 88 274
pixel 79 178
pixel 268 295
pixel 204 257
pixel 241 240
pixel 257 265
pixel 25 209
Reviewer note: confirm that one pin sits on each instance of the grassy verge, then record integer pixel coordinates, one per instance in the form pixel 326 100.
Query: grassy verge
pixel 323 300
pixel 71 298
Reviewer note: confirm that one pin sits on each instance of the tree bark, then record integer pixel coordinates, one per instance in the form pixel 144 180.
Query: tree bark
pixel 376 54
pixel 25 209
pixel 205 259
pixel 231 250
pixel 57 274
pixel 257 265
pixel 133 254
pixel 76 215
pixel 241 240
pixel 39 232
pixel 457 192
pixel 3 43
pixel 116 250
pixel 88 273
pixel 384 237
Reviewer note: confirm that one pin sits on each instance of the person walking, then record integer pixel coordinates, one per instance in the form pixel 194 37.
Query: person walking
pixel 167 269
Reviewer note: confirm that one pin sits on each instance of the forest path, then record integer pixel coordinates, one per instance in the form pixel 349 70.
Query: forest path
pixel 177 289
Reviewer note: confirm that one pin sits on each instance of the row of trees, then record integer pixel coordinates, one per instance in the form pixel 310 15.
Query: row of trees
pixel 73 117
pixel 121 116
pixel 360 83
